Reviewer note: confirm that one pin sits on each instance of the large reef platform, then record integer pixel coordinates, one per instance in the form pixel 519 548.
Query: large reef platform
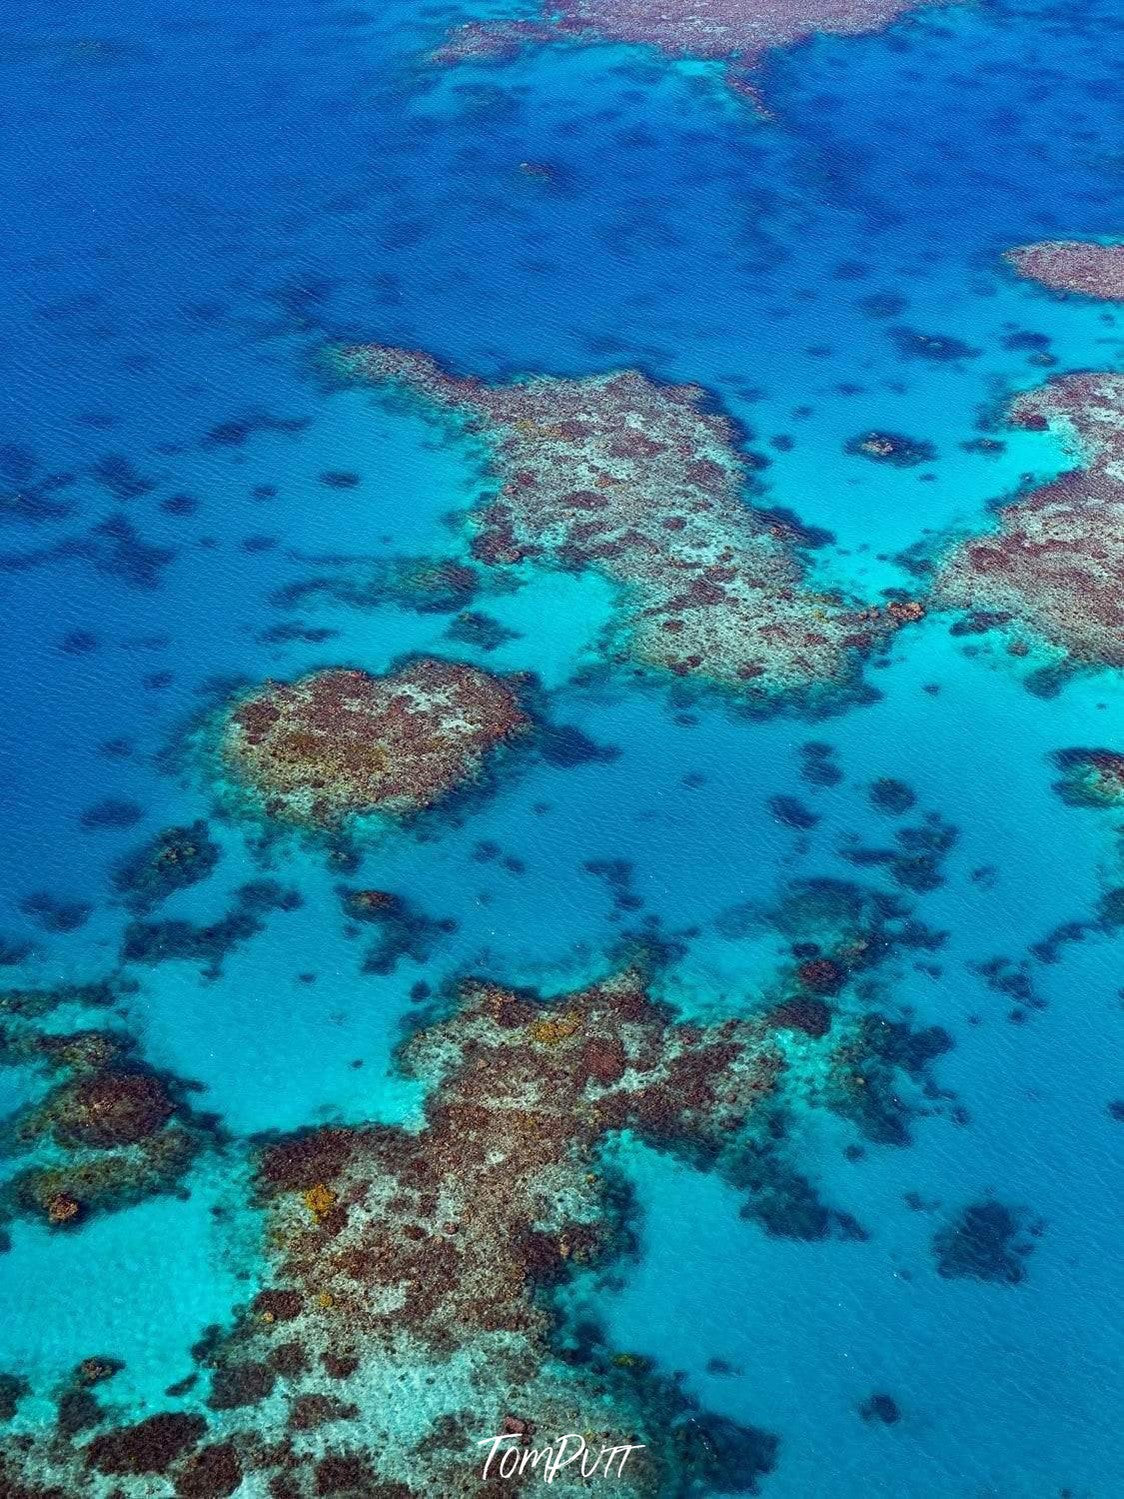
pixel 1072 265
pixel 679 28
pixel 646 483
pixel 1056 559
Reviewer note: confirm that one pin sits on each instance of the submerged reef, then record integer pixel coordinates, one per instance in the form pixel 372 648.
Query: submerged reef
pixel 1057 557
pixel 645 483
pixel 391 1249
pixel 174 860
pixel 1090 777
pixel 1081 266
pixel 441 1248
pixel 681 28
pixel 340 742
pixel 109 1131
pixel 986 1241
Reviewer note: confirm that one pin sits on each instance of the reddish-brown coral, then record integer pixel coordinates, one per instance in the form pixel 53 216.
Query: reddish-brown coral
pixel 432 1243
pixel 120 1131
pixel 1057 558
pixel 645 483
pixel 1074 265
pixel 341 741
pixel 692 28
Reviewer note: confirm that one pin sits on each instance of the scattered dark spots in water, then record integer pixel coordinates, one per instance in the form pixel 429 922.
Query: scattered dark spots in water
pixel 850 270
pixel 174 859
pixel 882 305
pixel 234 433
pixel 987 447
pixel 14 950
pixel 116 473
pixel 179 504
pixel 258 543
pixel 880 1407
pixel 1116 1110
pixel 891 448
pixel 986 1241
pixel 721 1367
pixel 340 479
pixel 1010 979
pixel 916 862
pixel 782 442
pixel 116 749
pixel 787 526
pixel 565 746
pixel 162 941
pixel 616 875
pixel 294 631
pixel 264 492
pixel 791 812
pixel 53 914
pixel 206 311
pixel 936 347
pixel 117 549
pixel 78 643
pixel 480 630
pixel 817 764
pixel 892 796
pixel 918 1204
pixel 157 681
pixel 112 812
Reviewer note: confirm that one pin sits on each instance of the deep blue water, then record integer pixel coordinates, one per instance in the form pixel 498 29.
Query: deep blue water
pixel 194 200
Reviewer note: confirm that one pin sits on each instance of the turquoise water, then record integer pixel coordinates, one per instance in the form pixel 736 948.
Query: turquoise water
pixel 196 202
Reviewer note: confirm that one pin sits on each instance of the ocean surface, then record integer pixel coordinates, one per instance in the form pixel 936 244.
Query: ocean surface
pixel 196 201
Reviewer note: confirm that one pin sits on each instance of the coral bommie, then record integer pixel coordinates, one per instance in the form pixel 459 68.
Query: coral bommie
pixel 341 741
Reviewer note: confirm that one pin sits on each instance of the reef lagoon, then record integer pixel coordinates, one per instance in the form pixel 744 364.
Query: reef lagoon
pixel 562 571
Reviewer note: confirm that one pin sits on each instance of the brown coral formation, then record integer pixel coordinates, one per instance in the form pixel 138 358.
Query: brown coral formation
pixel 645 483
pixel 428 1254
pixel 1056 560
pixel 115 1130
pixel 341 742
pixel 681 28
pixel 1074 265
pixel 393 1250
pixel 423 1245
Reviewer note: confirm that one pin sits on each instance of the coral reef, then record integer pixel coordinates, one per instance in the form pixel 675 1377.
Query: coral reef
pixel 173 860
pixel 177 939
pixel 340 742
pixel 986 1241
pixel 645 483
pixel 891 448
pixel 683 28
pixel 1056 558
pixel 1090 777
pixel 390 1249
pixel 1073 265
pixel 109 1131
